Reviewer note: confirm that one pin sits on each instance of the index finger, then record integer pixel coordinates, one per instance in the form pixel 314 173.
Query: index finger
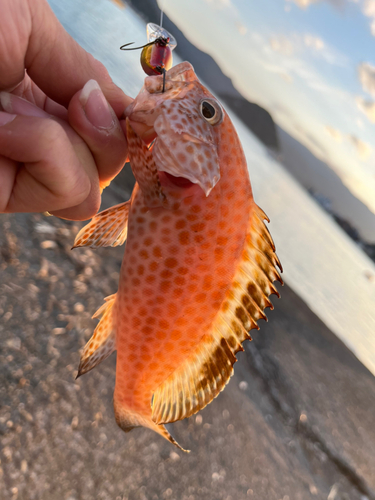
pixel 56 62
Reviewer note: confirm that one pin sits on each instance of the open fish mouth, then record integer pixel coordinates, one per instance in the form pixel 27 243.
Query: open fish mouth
pixel 181 182
pixel 174 171
pixel 182 167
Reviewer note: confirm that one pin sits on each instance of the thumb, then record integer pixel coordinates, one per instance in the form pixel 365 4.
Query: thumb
pixel 94 120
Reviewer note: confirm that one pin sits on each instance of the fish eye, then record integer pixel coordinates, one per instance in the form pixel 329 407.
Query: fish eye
pixel 211 111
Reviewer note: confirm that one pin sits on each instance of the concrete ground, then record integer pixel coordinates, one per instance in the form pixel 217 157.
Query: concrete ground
pixel 295 423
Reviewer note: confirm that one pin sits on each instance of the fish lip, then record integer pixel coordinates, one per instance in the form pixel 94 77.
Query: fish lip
pixel 180 182
pixel 181 190
pixel 145 132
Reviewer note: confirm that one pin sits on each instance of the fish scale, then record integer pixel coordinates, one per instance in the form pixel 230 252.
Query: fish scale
pixel 198 264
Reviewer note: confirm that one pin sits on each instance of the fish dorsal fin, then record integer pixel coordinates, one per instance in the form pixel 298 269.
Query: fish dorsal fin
pixel 209 367
pixel 103 340
pixel 107 229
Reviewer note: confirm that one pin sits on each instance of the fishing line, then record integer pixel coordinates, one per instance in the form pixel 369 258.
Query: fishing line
pixel 161 18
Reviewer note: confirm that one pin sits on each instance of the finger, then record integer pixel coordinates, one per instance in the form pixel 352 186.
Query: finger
pixel 19 106
pixel 95 121
pixel 55 62
pixel 47 169
pixel 28 90
pixel 61 67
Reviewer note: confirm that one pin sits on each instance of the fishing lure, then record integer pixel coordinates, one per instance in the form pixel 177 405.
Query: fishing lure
pixel 156 55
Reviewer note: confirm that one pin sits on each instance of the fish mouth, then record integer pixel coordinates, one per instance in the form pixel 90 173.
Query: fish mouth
pixel 180 182
pixel 145 132
pixel 171 171
pixel 182 172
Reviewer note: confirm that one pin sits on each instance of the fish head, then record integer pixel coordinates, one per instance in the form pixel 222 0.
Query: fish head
pixel 185 122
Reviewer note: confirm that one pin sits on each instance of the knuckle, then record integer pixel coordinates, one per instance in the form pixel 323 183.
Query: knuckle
pixel 52 131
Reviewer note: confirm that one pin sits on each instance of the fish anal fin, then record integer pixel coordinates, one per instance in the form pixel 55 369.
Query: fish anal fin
pixel 128 420
pixel 103 340
pixel 107 229
pixel 208 368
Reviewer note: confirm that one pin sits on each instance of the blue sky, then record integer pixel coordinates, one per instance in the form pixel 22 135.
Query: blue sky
pixel 311 63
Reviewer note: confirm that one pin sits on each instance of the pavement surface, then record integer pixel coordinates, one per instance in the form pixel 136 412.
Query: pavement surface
pixel 296 422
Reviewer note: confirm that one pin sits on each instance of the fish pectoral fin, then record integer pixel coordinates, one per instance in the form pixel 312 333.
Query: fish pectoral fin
pixel 103 340
pixel 107 229
pixel 208 368
pixel 144 170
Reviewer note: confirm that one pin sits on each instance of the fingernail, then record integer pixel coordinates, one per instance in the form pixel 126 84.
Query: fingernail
pixel 15 104
pixel 6 118
pixel 95 105
pixel 5 102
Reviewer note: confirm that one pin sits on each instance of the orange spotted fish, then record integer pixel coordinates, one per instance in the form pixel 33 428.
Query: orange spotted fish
pixel 199 262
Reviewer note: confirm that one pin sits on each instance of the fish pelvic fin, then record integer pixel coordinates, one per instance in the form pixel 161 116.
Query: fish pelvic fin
pixel 103 340
pixel 128 420
pixel 207 370
pixel 144 169
pixel 107 229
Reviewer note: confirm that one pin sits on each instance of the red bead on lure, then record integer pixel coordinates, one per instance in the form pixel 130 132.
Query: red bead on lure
pixel 156 55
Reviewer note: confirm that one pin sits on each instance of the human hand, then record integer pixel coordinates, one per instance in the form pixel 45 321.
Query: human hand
pixel 58 143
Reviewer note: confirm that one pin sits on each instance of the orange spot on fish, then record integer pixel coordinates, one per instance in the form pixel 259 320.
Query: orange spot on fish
pixel 184 237
pixel 157 252
pixel 170 262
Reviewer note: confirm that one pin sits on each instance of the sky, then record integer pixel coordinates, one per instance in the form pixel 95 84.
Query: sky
pixel 310 63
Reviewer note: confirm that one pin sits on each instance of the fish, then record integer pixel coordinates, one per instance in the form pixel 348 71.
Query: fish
pixel 199 264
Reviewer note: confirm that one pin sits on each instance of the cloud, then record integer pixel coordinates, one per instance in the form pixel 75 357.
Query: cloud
pixel 242 30
pixel 283 45
pixel 289 45
pixel 297 43
pixel 220 4
pixel 366 73
pixel 334 133
pixel 363 149
pixel 304 4
pixel 313 41
pixel 274 68
pixel 367 107
pixel 368 9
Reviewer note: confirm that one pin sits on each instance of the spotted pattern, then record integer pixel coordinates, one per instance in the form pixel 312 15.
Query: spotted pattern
pixel 103 340
pixel 144 169
pixel 108 228
pixel 210 365
pixel 185 144
pixel 177 269
pixel 183 264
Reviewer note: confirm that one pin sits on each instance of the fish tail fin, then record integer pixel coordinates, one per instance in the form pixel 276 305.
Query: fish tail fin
pixel 107 229
pixel 103 340
pixel 127 420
